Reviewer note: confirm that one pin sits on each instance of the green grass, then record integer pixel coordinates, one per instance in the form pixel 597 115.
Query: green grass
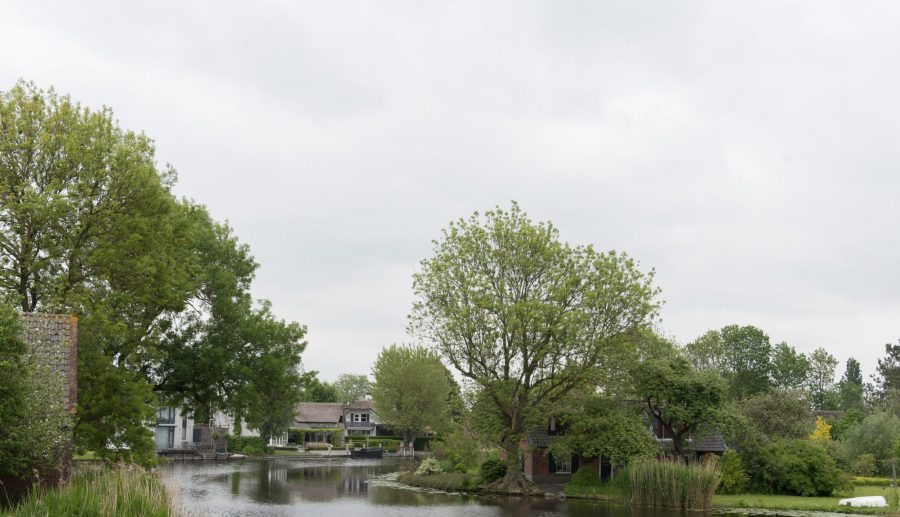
pixel 792 502
pixel 447 481
pixel 286 452
pixel 86 455
pixel 672 484
pixel 125 492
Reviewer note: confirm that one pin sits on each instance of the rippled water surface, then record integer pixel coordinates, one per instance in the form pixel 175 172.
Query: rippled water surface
pixel 341 487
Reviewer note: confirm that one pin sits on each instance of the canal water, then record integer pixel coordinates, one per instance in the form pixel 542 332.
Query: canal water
pixel 340 487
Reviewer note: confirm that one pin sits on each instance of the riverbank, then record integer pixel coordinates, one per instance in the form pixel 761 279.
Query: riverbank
pixel 748 502
pixel 119 491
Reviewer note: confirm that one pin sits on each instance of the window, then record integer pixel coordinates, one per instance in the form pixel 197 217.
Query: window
pixel 360 417
pixel 563 465
pixel 184 428
pixel 165 415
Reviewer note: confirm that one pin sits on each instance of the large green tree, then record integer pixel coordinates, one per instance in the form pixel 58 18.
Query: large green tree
pixel 524 316
pixel 820 380
pixel 789 367
pixel 851 387
pixel 315 389
pixel 682 399
pixel 741 354
pixel 89 225
pixel 351 388
pixel 411 390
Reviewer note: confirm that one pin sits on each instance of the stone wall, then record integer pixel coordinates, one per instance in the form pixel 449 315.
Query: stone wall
pixel 52 338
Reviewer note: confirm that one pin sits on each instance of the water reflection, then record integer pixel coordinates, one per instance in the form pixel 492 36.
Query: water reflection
pixel 345 486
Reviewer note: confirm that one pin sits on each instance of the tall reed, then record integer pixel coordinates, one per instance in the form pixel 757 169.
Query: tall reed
pixel 126 492
pixel 672 484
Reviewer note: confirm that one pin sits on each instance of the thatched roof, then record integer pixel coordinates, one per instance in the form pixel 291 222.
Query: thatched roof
pixel 319 413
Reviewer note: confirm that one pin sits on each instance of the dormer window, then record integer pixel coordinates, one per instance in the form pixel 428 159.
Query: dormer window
pixel 360 417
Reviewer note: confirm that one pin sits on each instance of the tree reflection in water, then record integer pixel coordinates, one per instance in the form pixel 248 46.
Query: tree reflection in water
pixel 336 486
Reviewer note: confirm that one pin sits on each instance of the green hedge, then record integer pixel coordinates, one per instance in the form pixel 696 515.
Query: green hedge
pixel 249 445
pixel 870 481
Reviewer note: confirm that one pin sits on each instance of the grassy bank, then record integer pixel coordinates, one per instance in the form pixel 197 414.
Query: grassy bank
pixel 126 492
pixel 447 481
pixel 816 504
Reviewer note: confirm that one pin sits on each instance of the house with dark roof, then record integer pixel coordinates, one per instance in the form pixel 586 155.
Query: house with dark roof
pixel 542 466
pixel 360 419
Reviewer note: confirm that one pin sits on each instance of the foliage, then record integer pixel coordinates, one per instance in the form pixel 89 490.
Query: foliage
pixel 598 426
pixel 268 401
pixel 315 390
pixel 410 390
pixel 672 484
pixel 820 381
pixel 249 445
pixel 682 399
pixel 734 477
pixel 89 225
pixel 351 388
pixel 429 465
pixel 460 445
pixel 851 388
pixel 124 492
pixel 843 425
pixel 795 466
pixel 871 481
pixel 864 465
pixel 740 354
pixel 447 481
pixel 822 431
pixel 778 413
pixel 875 435
pixel 524 316
pixel 888 370
pixel 34 422
pixel 586 475
pixel 491 470
pixel 789 367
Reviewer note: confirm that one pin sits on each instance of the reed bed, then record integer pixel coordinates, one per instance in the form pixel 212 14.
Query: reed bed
pixel 126 492
pixel 673 484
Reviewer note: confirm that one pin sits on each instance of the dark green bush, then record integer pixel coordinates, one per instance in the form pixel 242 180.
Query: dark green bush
pixel 423 443
pixel 249 445
pixel 491 470
pixel 586 475
pixel 734 477
pixel 798 467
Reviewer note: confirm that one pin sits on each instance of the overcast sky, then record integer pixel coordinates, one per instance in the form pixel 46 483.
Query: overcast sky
pixel 746 151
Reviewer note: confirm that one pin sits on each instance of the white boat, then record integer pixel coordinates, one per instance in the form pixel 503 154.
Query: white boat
pixel 871 501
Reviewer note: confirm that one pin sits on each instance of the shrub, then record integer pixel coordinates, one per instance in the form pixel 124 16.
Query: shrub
pixel 428 467
pixel 875 435
pixel 734 478
pixel 423 443
pixel 491 470
pixel 865 465
pixel 871 481
pixel 797 467
pixel 672 484
pixel 585 476
pixel 249 445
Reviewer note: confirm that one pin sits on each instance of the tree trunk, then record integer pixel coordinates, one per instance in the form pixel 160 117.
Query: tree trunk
pixel 514 482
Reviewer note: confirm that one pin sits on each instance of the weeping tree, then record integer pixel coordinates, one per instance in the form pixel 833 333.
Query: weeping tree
pixel 525 317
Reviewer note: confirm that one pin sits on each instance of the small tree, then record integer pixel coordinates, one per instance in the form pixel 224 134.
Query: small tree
pixel 822 433
pixel 410 390
pixel 682 399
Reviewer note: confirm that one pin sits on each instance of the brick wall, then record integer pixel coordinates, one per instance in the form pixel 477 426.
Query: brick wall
pixel 54 338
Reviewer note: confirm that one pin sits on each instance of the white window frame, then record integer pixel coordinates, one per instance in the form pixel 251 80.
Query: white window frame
pixel 563 465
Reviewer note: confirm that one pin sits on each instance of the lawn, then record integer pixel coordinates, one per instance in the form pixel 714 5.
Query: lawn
pixel 790 502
